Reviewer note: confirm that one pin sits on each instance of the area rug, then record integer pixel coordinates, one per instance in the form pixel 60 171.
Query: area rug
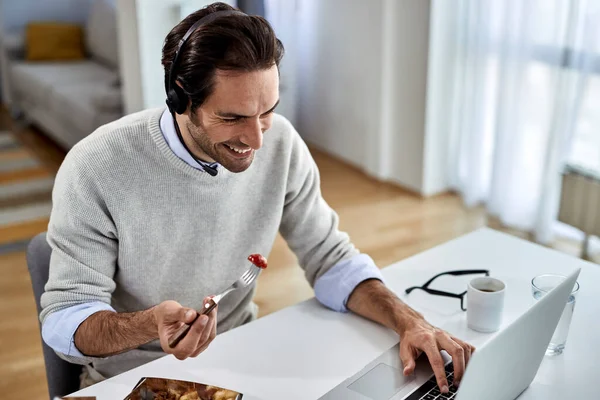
pixel 25 194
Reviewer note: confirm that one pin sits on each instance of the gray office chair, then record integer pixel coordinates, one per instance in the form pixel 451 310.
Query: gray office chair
pixel 63 377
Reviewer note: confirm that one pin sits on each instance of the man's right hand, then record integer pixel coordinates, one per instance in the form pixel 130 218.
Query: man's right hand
pixel 170 316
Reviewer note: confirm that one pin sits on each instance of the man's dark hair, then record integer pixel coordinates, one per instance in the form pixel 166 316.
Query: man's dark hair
pixel 233 42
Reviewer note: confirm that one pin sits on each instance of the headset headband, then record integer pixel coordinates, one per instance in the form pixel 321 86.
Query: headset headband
pixel 207 18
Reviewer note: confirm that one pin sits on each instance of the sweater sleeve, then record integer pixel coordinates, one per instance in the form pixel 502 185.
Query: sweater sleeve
pixel 83 239
pixel 309 225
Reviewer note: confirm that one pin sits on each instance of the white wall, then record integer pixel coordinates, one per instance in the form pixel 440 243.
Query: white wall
pixel 411 33
pixel 363 82
pixel 339 44
pixel 16 13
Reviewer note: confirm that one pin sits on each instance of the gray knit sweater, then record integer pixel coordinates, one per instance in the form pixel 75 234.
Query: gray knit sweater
pixel 133 225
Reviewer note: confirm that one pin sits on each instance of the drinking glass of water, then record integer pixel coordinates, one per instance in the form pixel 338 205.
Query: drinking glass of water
pixel 540 286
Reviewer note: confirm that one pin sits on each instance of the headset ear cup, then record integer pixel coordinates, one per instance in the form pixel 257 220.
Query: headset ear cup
pixel 171 100
pixel 181 97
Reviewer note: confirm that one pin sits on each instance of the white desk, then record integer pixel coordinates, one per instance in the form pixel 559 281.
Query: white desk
pixel 303 351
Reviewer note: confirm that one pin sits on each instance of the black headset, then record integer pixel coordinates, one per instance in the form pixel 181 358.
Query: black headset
pixel 177 99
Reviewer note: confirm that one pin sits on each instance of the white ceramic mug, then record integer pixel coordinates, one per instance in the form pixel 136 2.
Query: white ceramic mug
pixel 485 304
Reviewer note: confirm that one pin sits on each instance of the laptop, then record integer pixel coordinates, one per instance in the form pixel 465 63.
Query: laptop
pixel 500 370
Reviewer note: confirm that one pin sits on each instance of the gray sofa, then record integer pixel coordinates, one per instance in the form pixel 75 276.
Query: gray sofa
pixel 68 100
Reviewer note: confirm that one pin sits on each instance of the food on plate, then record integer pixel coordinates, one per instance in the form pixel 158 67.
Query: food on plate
pixel 77 398
pixel 169 389
pixel 258 260
pixel 222 394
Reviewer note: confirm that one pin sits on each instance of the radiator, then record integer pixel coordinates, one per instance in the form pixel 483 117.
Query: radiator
pixel 580 200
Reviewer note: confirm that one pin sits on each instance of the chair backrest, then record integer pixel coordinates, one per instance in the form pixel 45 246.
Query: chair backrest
pixel 63 377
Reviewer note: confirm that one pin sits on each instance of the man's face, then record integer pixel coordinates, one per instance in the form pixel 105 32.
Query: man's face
pixel 228 127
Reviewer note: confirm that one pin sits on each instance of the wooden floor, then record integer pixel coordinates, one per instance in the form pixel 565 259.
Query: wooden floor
pixel 383 220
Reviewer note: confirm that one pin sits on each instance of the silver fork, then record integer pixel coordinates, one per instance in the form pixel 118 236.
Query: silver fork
pixel 245 280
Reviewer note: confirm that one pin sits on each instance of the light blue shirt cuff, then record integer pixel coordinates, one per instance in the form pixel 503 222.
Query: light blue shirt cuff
pixel 58 329
pixel 335 286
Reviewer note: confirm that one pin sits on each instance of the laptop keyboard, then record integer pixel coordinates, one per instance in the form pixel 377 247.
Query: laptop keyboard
pixel 430 390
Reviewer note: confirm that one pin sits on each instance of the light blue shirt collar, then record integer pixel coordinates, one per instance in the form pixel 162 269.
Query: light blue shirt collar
pixel 167 126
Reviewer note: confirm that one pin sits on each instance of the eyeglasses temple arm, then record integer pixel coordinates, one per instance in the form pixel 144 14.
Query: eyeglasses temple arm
pixel 436 292
pixel 457 273
pixel 469 272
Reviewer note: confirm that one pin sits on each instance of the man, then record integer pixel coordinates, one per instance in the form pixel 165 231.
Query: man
pixel 158 210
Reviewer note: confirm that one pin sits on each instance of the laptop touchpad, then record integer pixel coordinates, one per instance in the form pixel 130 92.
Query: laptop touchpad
pixel 381 383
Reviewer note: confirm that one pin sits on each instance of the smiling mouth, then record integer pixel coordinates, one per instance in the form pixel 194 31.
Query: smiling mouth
pixel 237 152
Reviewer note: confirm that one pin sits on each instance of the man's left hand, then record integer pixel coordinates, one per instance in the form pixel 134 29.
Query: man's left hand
pixel 419 336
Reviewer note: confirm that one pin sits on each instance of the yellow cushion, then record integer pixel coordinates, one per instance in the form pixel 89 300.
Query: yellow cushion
pixel 53 41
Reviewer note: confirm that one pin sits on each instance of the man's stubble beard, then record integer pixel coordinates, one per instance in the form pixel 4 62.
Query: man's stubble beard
pixel 202 141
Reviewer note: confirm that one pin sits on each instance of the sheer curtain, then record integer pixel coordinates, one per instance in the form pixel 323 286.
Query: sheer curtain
pixel 521 72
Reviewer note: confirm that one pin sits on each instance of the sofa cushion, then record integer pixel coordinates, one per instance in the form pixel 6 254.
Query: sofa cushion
pixel 25 85
pixel 33 76
pixel 36 80
pixel 74 103
pixel 54 41
pixel 101 33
